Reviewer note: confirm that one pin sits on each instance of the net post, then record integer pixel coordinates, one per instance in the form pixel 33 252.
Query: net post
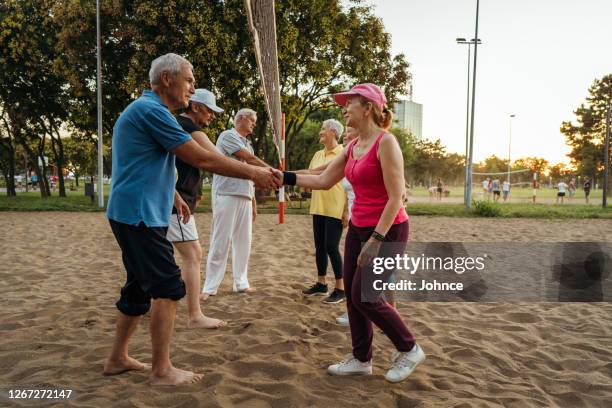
pixel 281 190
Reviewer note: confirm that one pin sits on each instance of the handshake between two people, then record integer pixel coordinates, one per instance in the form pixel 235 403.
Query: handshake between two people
pixel 267 178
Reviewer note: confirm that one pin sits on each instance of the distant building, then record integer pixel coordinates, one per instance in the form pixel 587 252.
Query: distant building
pixel 409 115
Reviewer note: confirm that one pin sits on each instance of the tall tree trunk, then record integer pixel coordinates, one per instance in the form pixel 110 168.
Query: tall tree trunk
pixel 8 144
pixel 43 182
pixel 39 176
pixel 9 170
pixel 61 160
pixel 107 162
pixel 58 153
pixel 10 184
pixel 16 128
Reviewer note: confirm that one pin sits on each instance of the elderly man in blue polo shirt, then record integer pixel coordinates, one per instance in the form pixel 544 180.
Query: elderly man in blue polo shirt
pixel 146 139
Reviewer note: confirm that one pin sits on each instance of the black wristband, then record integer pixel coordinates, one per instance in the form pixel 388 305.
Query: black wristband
pixel 289 178
pixel 378 237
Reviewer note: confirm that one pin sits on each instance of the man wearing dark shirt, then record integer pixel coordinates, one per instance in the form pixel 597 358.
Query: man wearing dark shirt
pixel 587 188
pixel 184 236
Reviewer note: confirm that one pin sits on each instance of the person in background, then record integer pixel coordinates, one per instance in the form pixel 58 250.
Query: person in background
pixel 561 193
pixel 495 186
pixel 184 236
pixel 506 189
pixel 349 136
pixel 439 189
pixel 586 187
pixel 234 209
pixel 327 209
pixel 571 188
pixel 486 188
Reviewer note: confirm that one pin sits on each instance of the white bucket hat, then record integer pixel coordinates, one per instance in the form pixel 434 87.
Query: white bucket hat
pixel 205 97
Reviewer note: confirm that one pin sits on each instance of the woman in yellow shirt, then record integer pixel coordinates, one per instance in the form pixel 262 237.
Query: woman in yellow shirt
pixel 327 207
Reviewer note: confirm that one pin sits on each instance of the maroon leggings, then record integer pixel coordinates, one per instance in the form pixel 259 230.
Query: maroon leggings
pixel 363 314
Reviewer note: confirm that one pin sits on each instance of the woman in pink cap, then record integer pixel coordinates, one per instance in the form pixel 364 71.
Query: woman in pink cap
pixel 374 166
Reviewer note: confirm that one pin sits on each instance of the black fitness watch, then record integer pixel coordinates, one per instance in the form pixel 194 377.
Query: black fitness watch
pixel 378 237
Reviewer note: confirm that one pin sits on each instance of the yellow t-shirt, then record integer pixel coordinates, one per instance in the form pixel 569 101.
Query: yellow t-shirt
pixel 329 203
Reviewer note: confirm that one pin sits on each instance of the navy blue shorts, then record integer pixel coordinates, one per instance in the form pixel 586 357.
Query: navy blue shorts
pixel 148 258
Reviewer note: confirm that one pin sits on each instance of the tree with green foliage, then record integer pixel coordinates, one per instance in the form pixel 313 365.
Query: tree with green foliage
pixel 428 162
pixel 81 156
pixel 407 145
pixel 586 136
pixel 32 92
pixel 453 171
pixel 323 46
pixel 7 154
pixel 492 164
pixel 535 164
pixel 559 171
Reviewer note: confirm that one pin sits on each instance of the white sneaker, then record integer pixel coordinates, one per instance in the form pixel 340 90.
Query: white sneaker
pixel 350 366
pixel 343 320
pixel 404 364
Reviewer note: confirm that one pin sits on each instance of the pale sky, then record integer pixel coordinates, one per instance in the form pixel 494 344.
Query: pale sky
pixel 537 60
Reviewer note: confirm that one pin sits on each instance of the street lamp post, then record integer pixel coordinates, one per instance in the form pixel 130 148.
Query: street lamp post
pixel 509 146
pixel 467 116
pixel 606 156
pixel 471 150
pixel 99 97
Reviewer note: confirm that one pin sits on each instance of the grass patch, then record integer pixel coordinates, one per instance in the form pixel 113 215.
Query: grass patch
pixel 33 202
pixel 552 211
pixel 486 209
pixel 446 210
pixel 76 202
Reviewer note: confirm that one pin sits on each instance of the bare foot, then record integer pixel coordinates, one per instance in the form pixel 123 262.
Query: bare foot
pixel 247 290
pixel 114 367
pixel 204 296
pixel 205 322
pixel 176 376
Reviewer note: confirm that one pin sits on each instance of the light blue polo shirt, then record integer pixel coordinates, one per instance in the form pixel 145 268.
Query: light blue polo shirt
pixel 143 168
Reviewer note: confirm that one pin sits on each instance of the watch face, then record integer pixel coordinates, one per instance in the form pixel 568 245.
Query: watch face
pixel 377 236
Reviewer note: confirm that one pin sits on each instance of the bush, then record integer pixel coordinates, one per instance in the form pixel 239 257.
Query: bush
pixel 486 209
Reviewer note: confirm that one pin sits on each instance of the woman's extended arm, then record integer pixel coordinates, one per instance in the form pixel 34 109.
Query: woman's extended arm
pixel 326 180
pixel 315 171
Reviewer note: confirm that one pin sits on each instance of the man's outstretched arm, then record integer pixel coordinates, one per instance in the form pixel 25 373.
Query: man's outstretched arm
pixel 250 158
pixel 192 153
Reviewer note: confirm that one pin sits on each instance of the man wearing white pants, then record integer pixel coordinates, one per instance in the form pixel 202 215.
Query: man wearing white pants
pixel 234 209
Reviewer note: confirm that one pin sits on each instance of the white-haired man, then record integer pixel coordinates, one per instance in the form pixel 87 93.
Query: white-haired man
pixel 234 209
pixel 184 236
pixel 146 137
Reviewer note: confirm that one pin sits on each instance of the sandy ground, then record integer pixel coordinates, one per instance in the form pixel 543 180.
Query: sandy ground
pixel 62 272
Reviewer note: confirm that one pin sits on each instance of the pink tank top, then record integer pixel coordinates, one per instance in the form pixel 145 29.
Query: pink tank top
pixel 366 177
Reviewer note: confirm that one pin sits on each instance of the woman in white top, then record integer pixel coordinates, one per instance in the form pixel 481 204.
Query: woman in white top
pixel 561 194
pixel 349 135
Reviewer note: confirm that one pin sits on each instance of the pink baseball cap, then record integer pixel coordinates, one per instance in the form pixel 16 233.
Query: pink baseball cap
pixel 369 91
